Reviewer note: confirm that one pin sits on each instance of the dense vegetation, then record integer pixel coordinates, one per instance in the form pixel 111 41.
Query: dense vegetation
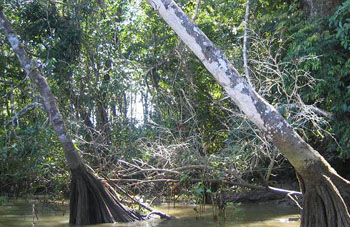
pixel 136 99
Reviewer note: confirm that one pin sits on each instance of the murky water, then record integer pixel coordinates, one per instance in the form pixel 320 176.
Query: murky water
pixel 19 214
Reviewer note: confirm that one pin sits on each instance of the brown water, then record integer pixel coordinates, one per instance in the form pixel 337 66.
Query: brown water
pixel 19 214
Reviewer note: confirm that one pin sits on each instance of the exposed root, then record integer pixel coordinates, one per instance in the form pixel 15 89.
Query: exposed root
pixel 343 186
pixel 160 214
pixel 94 201
pixel 152 211
pixel 323 204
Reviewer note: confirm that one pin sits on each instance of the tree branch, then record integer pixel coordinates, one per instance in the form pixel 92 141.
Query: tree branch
pixel 23 111
pixel 245 40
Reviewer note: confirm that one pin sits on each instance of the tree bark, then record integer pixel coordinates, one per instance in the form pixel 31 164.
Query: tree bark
pixel 31 69
pixel 318 180
pixel 92 200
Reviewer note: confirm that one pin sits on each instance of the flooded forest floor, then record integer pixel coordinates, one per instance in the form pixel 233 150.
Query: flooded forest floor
pixel 19 213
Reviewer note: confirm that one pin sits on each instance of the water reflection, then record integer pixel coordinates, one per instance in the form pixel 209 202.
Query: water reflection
pixel 248 215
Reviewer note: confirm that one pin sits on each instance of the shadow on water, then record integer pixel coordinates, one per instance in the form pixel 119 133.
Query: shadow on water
pixel 19 214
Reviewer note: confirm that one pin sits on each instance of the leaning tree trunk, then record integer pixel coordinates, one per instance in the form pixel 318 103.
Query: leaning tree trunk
pixel 92 200
pixel 326 194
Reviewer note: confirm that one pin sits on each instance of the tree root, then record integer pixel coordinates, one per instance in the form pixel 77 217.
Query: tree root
pixel 94 201
pixel 152 211
pixel 323 204
pixel 160 214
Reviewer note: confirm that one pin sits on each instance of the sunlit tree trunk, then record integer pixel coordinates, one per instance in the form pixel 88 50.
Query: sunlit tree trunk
pixel 326 194
pixel 92 200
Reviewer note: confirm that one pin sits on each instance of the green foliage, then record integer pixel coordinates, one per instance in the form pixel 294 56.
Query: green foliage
pixel 199 191
pixel 326 38
pixel 341 21
pixel 184 177
pixel 4 200
pixel 40 159
pixel 128 88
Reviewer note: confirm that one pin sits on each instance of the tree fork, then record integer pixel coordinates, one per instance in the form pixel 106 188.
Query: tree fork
pixel 92 201
pixel 318 180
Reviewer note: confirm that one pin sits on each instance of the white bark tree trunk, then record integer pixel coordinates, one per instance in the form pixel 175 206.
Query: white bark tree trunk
pixel 92 200
pixel 252 104
pixel 326 194
pixel 30 67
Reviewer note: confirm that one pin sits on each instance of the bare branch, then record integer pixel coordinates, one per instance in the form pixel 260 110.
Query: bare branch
pixel 23 111
pixel 245 40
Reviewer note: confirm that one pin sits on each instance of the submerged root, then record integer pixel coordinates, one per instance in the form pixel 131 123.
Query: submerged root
pixel 93 201
pixel 324 205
